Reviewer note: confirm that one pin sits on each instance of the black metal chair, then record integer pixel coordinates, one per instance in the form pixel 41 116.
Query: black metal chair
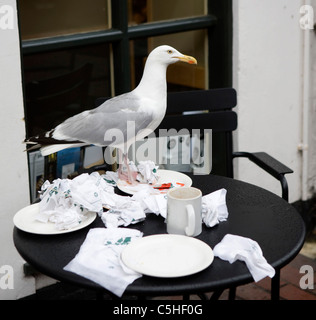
pixel 219 116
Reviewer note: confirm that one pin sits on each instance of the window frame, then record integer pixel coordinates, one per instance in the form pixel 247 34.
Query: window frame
pixel 217 21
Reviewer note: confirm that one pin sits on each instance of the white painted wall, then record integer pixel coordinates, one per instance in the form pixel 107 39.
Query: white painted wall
pixel 311 175
pixel 268 75
pixel 14 192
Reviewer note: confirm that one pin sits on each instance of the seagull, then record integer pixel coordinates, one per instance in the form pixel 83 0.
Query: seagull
pixel 122 120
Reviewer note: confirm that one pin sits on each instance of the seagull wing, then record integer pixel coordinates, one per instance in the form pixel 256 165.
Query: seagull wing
pixel 115 117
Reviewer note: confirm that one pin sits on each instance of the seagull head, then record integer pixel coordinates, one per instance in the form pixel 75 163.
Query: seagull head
pixel 169 55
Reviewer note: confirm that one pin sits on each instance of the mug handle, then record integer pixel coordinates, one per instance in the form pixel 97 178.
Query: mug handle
pixel 189 230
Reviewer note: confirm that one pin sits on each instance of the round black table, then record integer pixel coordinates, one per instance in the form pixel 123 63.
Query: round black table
pixel 253 212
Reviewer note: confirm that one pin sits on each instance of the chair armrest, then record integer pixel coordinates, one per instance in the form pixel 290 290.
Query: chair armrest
pixel 270 165
pixel 266 162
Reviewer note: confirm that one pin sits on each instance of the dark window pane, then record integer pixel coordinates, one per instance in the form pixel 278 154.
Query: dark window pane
pixel 180 76
pixel 47 18
pixel 59 84
pixel 142 11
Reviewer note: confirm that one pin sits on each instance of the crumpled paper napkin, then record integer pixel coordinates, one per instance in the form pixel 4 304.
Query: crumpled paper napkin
pixel 233 247
pixel 122 211
pixel 214 208
pixel 66 202
pixel 147 172
pixel 99 258
pixel 151 203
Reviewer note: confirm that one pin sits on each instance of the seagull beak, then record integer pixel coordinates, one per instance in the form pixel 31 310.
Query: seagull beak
pixel 187 59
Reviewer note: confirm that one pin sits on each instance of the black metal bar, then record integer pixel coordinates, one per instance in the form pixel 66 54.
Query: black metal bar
pixel 121 54
pixel 216 294
pixel 202 296
pixel 170 26
pixel 232 293
pixel 229 159
pixel 70 41
pixel 275 285
pixel 118 33
pixel 220 44
pixel 285 188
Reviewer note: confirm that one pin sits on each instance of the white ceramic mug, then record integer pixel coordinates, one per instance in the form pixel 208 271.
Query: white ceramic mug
pixel 184 207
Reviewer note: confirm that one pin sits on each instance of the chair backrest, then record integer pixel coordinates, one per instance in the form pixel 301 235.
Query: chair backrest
pixel 201 109
pixel 204 109
pixel 58 98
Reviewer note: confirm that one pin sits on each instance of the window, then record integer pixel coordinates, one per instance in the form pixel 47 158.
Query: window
pixel 142 11
pixel 49 18
pixel 45 110
pixel 115 37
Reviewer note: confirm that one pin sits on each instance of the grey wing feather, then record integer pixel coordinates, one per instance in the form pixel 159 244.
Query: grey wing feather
pixel 124 101
pixel 91 126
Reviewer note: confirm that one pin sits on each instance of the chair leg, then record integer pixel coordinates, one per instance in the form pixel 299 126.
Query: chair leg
pixel 202 296
pixel 216 294
pixel 275 285
pixel 232 293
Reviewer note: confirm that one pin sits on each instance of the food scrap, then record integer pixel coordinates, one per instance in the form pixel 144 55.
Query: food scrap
pixel 164 186
pixel 180 184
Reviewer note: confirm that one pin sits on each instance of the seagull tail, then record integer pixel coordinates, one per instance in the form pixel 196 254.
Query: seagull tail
pixel 49 145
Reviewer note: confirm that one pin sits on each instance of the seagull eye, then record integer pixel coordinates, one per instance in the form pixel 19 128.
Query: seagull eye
pixel 169 51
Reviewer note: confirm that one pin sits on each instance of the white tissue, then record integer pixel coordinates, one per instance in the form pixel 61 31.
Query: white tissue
pixel 214 208
pixel 123 211
pixel 233 248
pixel 110 177
pixel 66 202
pixel 57 206
pixel 152 203
pixel 147 172
pixel 99 258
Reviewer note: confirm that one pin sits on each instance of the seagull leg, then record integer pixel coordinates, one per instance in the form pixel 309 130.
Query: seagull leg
pixel 131 174
pixel 121 174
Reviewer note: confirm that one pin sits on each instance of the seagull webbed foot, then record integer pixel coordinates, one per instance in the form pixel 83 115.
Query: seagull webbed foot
pixel 126 173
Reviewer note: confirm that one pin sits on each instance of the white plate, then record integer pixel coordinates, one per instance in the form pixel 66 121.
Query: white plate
pixel 177 179
pixel 25 220
pixel 167 255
